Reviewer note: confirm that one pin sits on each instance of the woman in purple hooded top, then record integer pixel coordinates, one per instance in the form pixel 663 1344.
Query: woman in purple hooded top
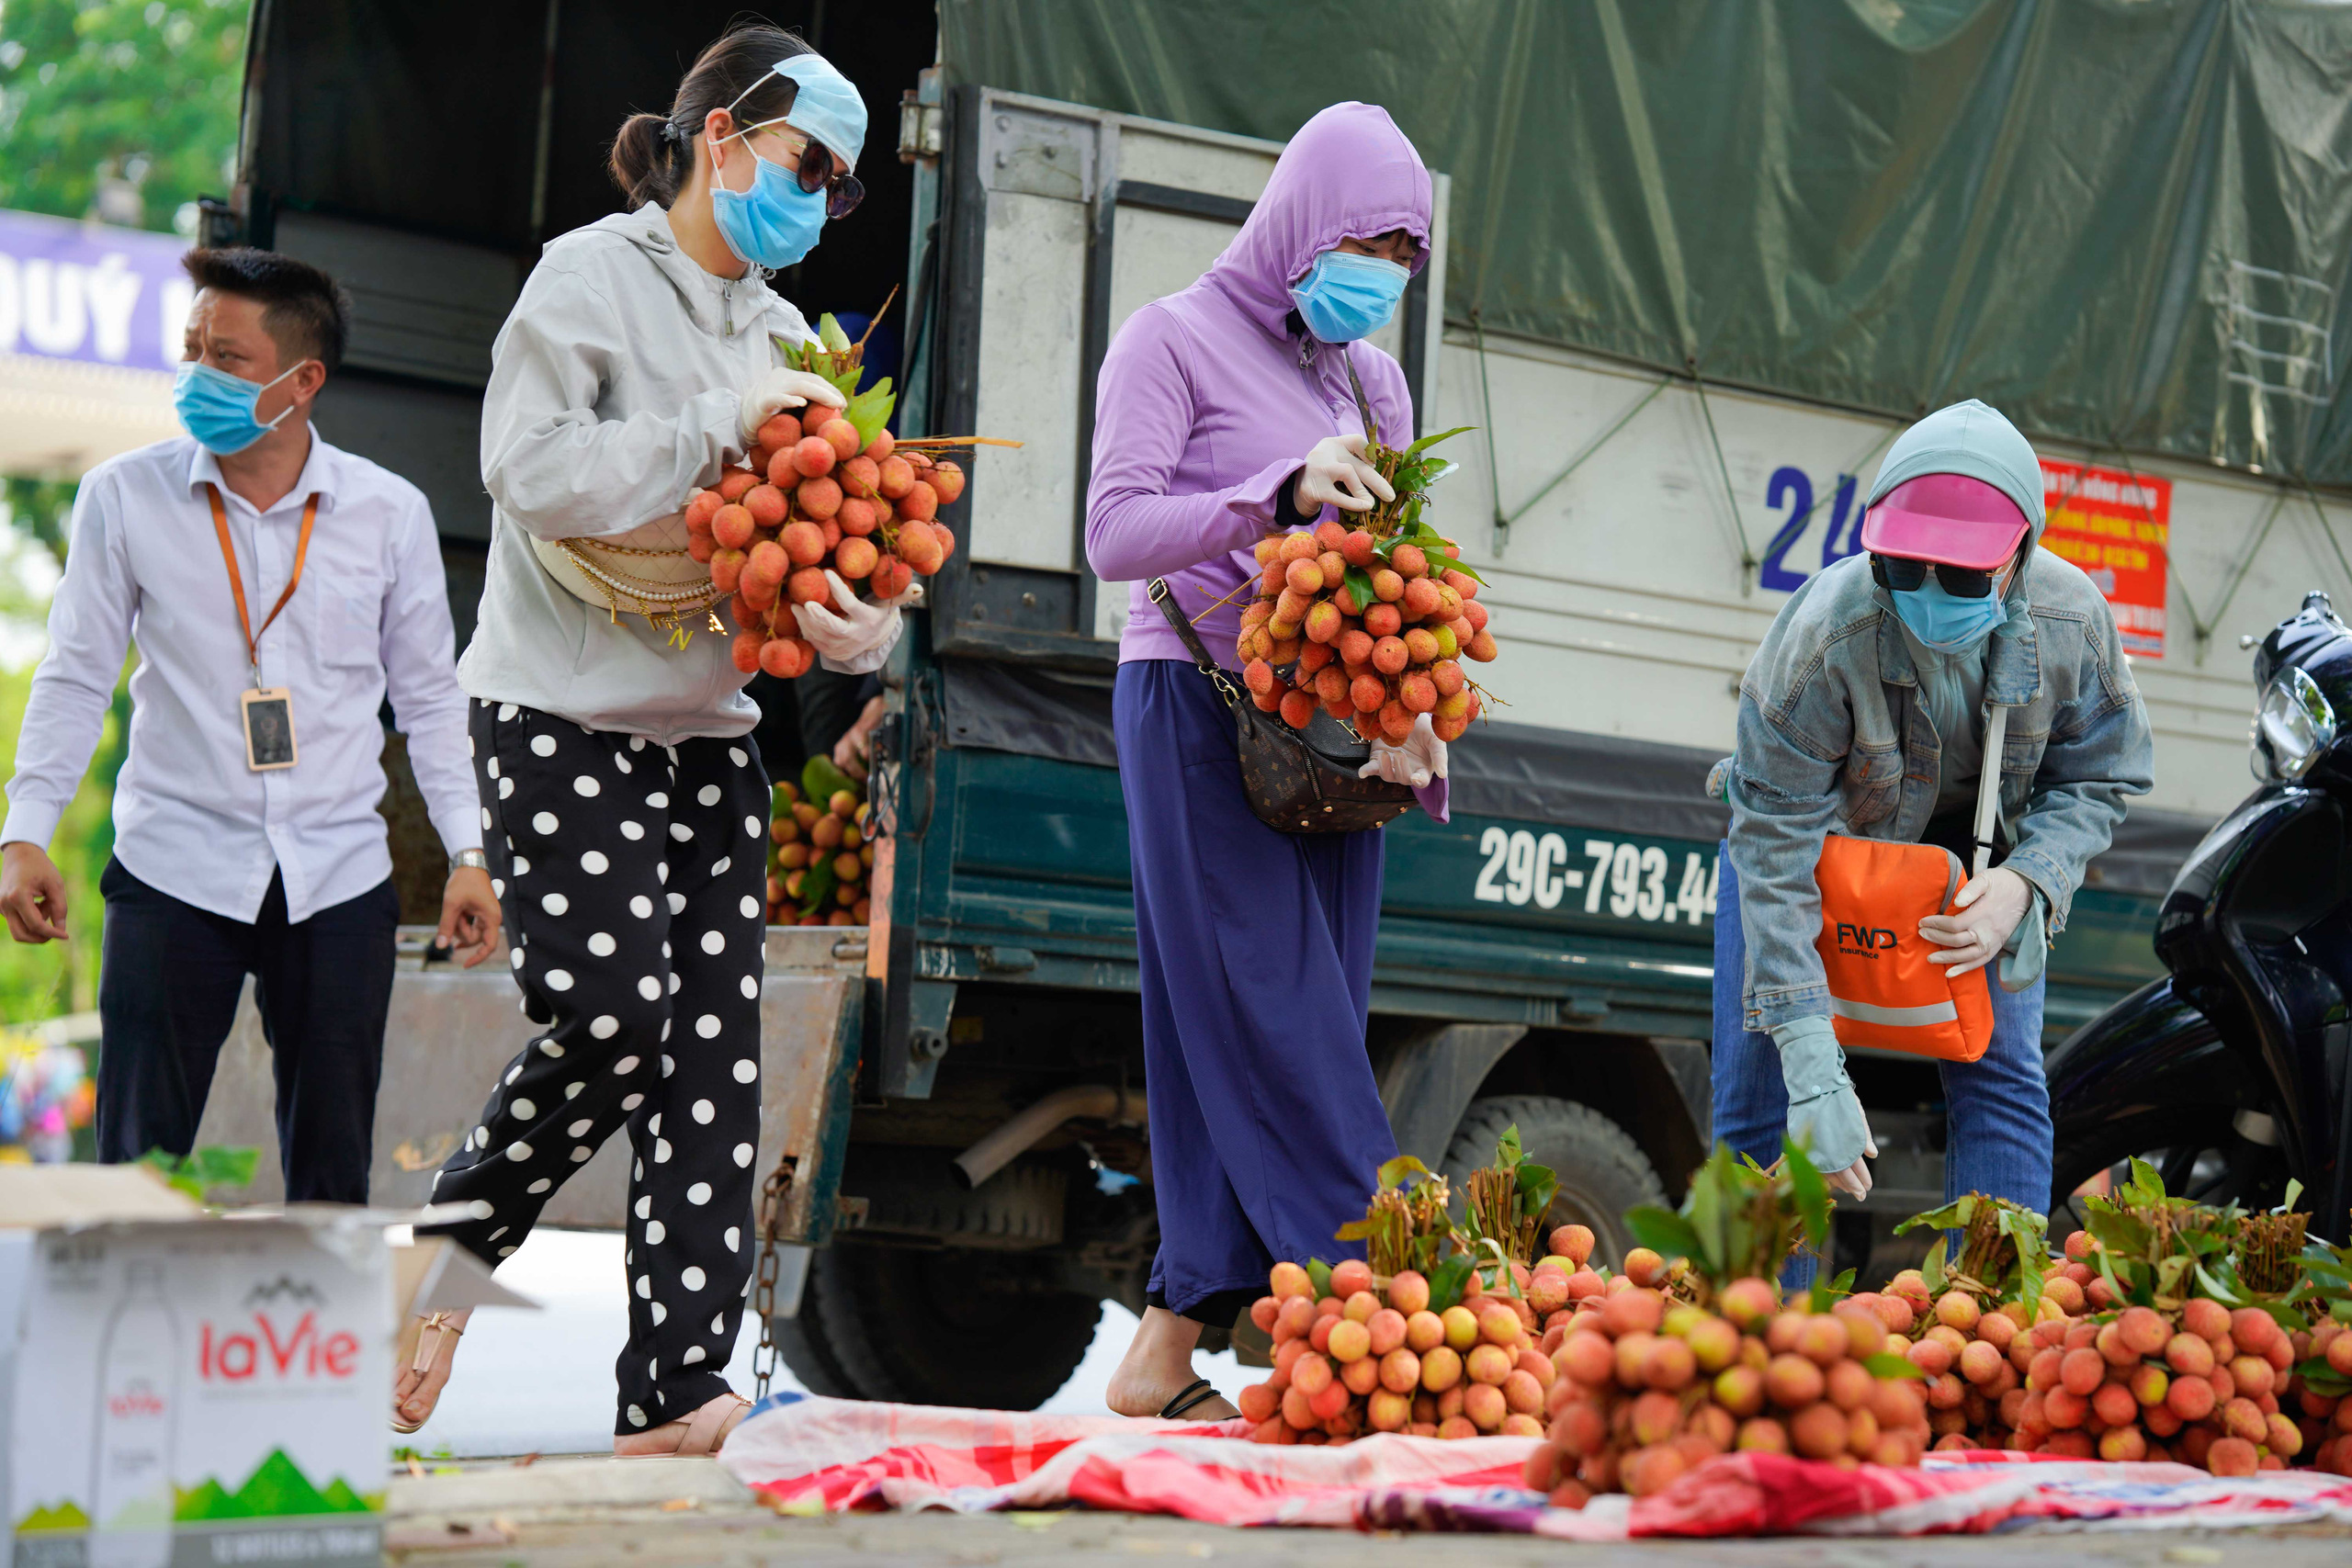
pixel 1225 414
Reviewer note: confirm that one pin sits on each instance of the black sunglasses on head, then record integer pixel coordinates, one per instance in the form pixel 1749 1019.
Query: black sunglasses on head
pixel 1904 576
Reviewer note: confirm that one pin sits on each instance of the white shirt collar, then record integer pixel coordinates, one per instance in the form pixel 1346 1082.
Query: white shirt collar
pixel 320 472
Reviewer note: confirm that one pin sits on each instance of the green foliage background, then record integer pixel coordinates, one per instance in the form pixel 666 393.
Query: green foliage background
pixel 86 82
pixel 122 85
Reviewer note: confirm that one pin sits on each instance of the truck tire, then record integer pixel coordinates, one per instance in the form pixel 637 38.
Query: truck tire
pixel 935 1326
pixel 914 1191
pixel 1603 1170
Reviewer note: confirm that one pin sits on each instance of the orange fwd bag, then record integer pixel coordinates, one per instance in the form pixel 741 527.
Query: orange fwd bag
pixel 1882 990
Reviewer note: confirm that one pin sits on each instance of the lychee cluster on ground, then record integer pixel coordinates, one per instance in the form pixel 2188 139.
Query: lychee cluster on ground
pixel 1650 1387
pixel 815 496
pixel 1372 1356
pixel 820 855
pixel 1369 629
pixel 2226 1389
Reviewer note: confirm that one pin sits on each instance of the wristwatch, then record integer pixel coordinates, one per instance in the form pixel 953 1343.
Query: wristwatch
pixel 473 860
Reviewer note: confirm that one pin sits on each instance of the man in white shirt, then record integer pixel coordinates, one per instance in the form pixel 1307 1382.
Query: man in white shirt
pixel 246 835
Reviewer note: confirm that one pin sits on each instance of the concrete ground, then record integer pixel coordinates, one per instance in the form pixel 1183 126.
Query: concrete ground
pixel 574 1513
pixel 542 1382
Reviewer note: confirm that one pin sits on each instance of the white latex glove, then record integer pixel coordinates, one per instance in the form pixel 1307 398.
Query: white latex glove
pixel 1990 907
pixel 1336 474
pixel 778 389
pixel 857 640
pixel 1414 761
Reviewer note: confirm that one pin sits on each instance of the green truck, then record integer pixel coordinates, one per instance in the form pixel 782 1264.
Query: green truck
pixel 955 1128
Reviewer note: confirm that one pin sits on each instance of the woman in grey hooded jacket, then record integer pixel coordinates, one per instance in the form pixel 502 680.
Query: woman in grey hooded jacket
pixel 624 806
pixel 1863 713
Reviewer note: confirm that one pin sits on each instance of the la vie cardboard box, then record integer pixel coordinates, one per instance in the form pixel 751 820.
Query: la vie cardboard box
pixel 181 1388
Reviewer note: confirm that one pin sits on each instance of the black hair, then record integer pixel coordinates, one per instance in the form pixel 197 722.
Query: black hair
pixel 306 313
pixel 652 154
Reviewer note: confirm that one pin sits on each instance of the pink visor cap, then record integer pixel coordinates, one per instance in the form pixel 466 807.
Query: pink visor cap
pixel 1947 518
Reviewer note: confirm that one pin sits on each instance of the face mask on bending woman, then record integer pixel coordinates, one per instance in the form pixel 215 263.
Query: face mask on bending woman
pixel 1946 622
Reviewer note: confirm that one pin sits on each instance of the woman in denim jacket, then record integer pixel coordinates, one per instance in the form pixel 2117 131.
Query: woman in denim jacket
pixel 1863 713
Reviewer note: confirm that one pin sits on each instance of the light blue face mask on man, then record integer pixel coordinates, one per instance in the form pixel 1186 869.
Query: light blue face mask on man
pixel 1345 297
pixel 217 408
pixel 1946 622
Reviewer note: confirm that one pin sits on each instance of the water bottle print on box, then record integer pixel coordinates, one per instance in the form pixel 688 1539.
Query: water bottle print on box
pixel 130 1452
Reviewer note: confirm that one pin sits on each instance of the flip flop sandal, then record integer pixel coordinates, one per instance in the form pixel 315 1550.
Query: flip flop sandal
pixel 706 1429
pixel 1192 1394
pixel 421 1359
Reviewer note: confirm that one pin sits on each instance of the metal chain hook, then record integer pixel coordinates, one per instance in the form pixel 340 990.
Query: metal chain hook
pixel 763 1358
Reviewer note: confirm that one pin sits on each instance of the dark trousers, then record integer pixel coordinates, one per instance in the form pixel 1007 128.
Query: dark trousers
pixel 167 994
pixel 1255 949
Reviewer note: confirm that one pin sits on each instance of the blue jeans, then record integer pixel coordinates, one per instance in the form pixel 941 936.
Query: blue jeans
pixel 1998 1136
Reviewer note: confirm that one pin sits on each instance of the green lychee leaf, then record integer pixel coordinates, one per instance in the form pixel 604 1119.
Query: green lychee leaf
pixel 1426 441
pixel 830 332
pixel 1357 1230
pixel 1446 1279
pixel 869 410
pixel 1887 1364
pixel 1358 582
pixel 1664 1232
pixel 1933 1268
pixel 1318 1274
pixel 818 886
pixel 2323 1379
pixel 820 781
pixel 1392 1175
pixel 1812 1193
pixel 1952 1216
pixel 215 1165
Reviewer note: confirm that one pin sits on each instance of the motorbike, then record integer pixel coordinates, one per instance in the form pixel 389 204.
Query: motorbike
pixel 2229 1073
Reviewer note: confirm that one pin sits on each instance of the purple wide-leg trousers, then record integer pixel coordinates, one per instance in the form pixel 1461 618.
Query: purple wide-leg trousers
pixel 1256 950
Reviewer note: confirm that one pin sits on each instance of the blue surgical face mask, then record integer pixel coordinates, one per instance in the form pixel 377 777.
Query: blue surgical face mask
pixel 1345 297
pixel 1944 621
pixel 775 222
pixel 217 408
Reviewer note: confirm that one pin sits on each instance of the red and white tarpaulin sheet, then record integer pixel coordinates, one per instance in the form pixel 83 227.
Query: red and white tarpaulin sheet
pixel 849 1453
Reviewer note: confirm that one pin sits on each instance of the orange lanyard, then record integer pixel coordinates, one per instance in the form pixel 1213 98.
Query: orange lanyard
pixel 236 578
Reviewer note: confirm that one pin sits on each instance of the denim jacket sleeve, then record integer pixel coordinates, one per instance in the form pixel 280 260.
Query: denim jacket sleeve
pixel 1784 800
pixel 1795 728
pixel 2100 752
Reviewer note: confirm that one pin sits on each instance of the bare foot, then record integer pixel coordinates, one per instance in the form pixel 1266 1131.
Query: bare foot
pixel 427 1349
pixel 704 1432
pixel 1157 1366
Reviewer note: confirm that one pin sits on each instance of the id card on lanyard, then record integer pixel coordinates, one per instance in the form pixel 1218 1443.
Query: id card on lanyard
pixel 268 712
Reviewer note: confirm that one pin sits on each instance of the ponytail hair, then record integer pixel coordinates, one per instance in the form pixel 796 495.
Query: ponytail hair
pixel 652 154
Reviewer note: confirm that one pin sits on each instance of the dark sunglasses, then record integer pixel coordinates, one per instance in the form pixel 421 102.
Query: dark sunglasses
pixel 1904 576
pixel 819 170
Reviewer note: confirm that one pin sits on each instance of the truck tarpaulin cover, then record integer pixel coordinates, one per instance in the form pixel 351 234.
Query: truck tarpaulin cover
pixel 2125 222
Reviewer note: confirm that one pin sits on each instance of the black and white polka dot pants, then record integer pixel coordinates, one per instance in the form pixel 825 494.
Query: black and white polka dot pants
pixel 630 876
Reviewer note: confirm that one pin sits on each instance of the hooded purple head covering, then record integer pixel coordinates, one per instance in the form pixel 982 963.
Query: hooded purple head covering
pixel 1210 398
pixel 1349 173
